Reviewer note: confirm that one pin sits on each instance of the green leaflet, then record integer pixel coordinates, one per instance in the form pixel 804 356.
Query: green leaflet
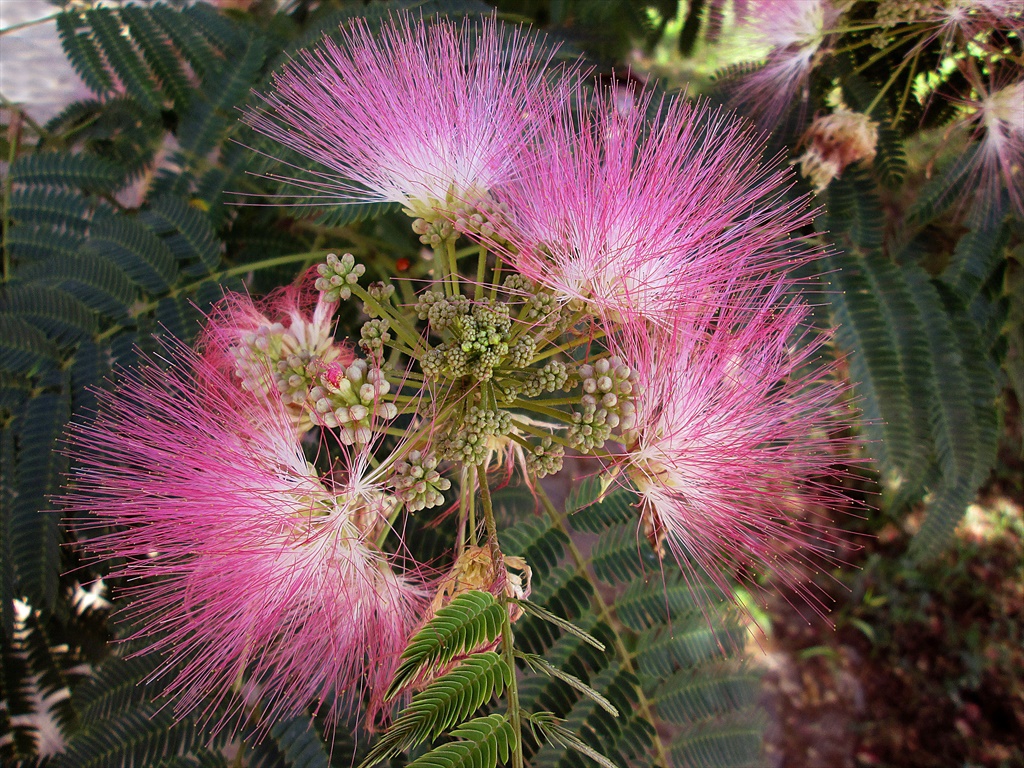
pixel 484 742
pixel 470 620
pixel 33 525
pixel 444 703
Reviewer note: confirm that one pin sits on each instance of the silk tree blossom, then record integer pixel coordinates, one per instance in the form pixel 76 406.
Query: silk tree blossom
pixel 733 431
pixel 794 31
pixel 970 18
pixel 428 115
pixel 997 165
pixel 250 574
pixel 630 219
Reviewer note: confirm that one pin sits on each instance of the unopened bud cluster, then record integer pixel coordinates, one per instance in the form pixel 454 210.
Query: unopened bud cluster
pixel 478 339
pixel 477 353
pixel 352 399
pixel 418 483
pixel 337 276
pixel 605 404
pixel 470 441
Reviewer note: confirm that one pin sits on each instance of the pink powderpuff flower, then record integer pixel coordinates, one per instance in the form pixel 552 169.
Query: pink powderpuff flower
pixel 278 347
pixel 247 572
pixel 734 429
pixel 795 31
pixel 635 217
pixel 996 167
pixel 970 18
pixel 423 114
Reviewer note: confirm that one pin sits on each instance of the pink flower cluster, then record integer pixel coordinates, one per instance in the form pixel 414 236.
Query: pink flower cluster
pixel 659 218
pixel 251 572
pixel 658 221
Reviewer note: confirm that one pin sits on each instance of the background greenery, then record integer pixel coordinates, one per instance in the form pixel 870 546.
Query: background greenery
pixel 119 228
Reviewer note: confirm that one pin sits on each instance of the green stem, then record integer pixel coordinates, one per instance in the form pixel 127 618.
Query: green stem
pixel 507 640
pixel 551 402
pixel 552 351
pixel 888 84
pixel 26 24
pixel 12 152
pixel 276 261
pixel 551 413
pixel 541 433
pixel 496 277
pixel 604 614
pixel 471 509
pixel 892 46
pixel 398 322
pixel 906 89
pixel 441 262
pixel 454 263
pixel 382 537
pixel 481 267
pixel 36 127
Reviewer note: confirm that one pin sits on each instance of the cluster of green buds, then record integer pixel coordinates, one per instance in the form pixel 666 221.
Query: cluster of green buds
pixel 474 374
pixel 477 336
pixel 418 483
pixel 471 440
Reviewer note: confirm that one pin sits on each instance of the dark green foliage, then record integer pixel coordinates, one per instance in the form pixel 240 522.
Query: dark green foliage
pixel 939 193
pixel 58 169
pixel 138 738
pixel 734 742
pixel 300 743
pixel 33 526
pixel 186 232
pixel 24 348
pixel 83 53
pixel 158 53
pixel 854 212
pixel 617 555
pixel 122 58
pixel 140 254
pixel 927 391
pixel 90 282
pixel 663 636
pixel 593 512
pixel 58 314
pixel 90 278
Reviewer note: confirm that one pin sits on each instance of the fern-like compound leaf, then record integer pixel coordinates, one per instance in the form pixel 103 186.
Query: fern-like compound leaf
pixel 135 250
pixel 448 700
pixel 59 169
pixel 542 613
pixel 484 743
pixel 556 734
pixel 470 620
